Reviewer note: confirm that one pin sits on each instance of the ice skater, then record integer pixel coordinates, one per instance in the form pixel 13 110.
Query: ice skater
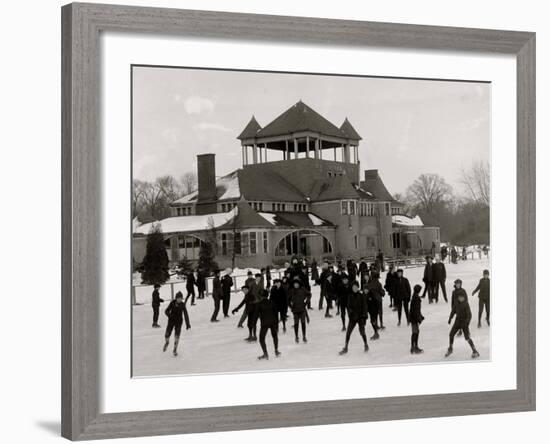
pixel 344 291
pixel 176 313
pixel 298 299
pixel 279 297
pixel 250 309
pixel 226 283
pixel 217 295
pixel 440 276
pixel 357 315
pixel 267 313
pixel 461 309
pixel 484 289
pixel 416 319
pixel 375 293
pixel 402 295
pixel 155 304
pixel 190 283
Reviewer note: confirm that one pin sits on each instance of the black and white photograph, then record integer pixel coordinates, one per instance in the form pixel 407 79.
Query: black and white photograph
pixel 286 221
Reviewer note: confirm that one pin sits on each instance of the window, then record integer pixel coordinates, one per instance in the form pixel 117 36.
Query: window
pixel 253 243
pixel 224 244
pixel 237 243
pixel 370 209
pixel 344 207
pixel 356 241
pixel 387 209
pixel 264 236
pixel 327 248
pixel 352 207
pixel 396 240
pixel 302 243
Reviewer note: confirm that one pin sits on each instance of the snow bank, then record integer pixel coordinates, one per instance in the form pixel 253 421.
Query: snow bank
pixel 180 224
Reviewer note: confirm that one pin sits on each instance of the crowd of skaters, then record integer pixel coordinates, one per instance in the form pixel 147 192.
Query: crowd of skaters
pixel 350 290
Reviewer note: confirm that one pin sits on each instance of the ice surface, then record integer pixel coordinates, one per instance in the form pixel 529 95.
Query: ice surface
pixel 220 348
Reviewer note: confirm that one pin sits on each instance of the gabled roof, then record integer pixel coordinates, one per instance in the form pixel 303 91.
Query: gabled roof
pixel 373 184
pixel 349 130
pixel 245 217
pixel 227 187
pixel 300 117
pixel 250 130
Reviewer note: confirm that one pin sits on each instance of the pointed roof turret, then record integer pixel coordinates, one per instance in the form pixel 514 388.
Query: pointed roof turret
pixel 250 130
pixel 349 130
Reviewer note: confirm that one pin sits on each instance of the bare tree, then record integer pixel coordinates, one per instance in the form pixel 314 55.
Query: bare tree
pixel 428 191
pixel 138 193
pixel 169 188
pixel 189 182
pixel 477 181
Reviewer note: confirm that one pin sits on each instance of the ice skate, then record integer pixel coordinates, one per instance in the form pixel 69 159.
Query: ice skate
pixel 343 351
pixel 375 336
pixel 344 328
pixel 297 339
pixel 449 352
pixel 304 340
pixel 418 351
pixel 412 350
pixel 277 353
pixel 165 346
pixel 488 322
pixel 175 353
pixel 475 354
pixel 264 356
pixel 366 348
pixel 479 324
pixel 328 315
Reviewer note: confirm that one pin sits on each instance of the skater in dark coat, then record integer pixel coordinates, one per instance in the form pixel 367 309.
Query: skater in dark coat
pixel 217 295
pixel 190 283
pixel 357 315
pixel 343 293
pixel 375 293
pixel 314 272
pixel 321 281
pixel 267 313
pixel 250 303
pixel 298 299
pixel 330 293
pixel 444 252
pixel 454 255
pixel 402 295
pixel 380 260
pixel 156 300
pixel 391 276
pixel 176 313
pixel 226 283
pixel 249 281
pixel 363 273
pixel 439 277
pixel 428 280
pixel 352 269
pixel 201 283
pixel 268 277
pixel 461 309
pixel 484 289
pixel 416 318
pixel 279 297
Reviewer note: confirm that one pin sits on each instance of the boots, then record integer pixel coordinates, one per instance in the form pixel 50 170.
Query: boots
pixel 449 352
pixel 166 345
pixel 344 350
pixel 264 356
pixel 175 352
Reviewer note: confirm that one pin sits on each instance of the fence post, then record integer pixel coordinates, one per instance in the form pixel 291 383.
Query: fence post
pixel 172 290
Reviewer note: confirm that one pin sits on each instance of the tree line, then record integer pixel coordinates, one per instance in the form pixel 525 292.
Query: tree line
pixel 463 218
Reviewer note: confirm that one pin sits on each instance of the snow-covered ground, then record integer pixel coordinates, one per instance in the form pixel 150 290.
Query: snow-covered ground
pixel 220 348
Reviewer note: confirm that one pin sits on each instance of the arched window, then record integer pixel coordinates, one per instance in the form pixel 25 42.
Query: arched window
pixel 303 243
pixel 189 246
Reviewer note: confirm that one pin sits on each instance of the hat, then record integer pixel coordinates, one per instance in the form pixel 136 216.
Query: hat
pixel 156 286
pixel 399 270
pixel 485 271
pixel 428 257
pixel 417 288
pixel 179 294
pixel 458 281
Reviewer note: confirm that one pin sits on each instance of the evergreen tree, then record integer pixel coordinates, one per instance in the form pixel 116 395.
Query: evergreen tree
pixel 155 262
pixel 206 258
pixel 184 267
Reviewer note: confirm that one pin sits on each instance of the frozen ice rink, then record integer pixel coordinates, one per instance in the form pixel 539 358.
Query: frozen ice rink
pixel 220 347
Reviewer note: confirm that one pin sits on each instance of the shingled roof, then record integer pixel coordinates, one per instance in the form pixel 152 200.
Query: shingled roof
pixel 250 130
pixel 300 117
pixel 349 130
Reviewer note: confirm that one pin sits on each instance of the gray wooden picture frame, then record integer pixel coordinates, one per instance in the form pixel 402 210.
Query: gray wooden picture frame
pixel 81 174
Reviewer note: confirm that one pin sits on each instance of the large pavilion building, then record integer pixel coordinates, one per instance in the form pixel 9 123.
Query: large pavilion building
pixel 299 192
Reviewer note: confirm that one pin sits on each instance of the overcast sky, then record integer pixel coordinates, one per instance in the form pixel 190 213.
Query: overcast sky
pixel 409 127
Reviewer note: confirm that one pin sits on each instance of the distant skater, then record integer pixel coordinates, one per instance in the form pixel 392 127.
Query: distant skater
pixel 226 283
pixel 344 291
pixel 217 295
pixel 484 289
pixel 402 295
pixel 155 304
pixel 249 303
pixel 416 318
pixel 176 313
pixel 461 309
pixel 439 276
pixel 279 296
pixel 357 315
pixel 298 299
pixel 375 293
pixel 190 286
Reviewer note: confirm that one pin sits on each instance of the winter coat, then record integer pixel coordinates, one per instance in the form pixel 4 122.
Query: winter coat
pixel 176 312
pixel 298 299
pixel 314 272
pixel 389 285
pixel 279 298
pixel 463 314
pixel 402 289
pixel 156 299
pixel 190 281
pixel 439 272
pixel 457 292
pixel 428 273
pixel 226 283
pixel 322 280
pixel 343 293
pixel 267 312
pixel 357 306
pixel 330 289
pixel 484 288
pixel 415 310
pixel 201 281
pixel 217 288
pixel 374 288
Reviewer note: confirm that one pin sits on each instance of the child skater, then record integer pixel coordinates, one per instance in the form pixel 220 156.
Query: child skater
pixel 249 302
pixel 155 304
pixel 484 288
pixel 357 315
pixel 416 318
pixel 344 290
pixel 267 313
pixel 176 312
pixel 461 309
pixel 279 297
pixel 298 299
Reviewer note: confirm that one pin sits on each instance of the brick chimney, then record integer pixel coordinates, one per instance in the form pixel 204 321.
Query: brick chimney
pixel 206 172
pixel 371 174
